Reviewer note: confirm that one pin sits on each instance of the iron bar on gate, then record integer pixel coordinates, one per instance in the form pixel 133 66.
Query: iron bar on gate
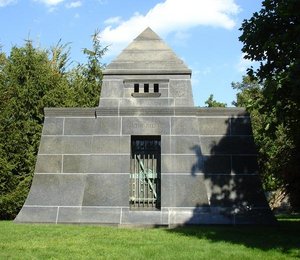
pixel 144 177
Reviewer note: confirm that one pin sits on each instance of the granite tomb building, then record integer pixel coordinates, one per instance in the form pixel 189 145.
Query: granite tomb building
pixel 146 155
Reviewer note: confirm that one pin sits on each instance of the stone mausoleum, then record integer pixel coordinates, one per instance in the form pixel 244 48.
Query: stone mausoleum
pixel 146 155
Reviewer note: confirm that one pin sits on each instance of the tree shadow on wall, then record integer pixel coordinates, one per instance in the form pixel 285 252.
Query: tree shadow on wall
pixel 228 166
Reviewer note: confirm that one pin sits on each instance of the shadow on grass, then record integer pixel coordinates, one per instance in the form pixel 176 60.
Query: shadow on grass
pixel 283 237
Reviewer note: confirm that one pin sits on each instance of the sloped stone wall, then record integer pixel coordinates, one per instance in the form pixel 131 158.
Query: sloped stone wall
pixel 209 171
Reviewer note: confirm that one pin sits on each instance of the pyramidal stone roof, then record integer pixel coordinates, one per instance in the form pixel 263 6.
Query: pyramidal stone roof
pixel 147 54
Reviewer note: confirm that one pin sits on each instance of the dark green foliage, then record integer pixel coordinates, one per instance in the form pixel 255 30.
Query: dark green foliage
pixel 272 37
pixel 26 79
pixel 210 102
pixel 88 77
pixel 270 159
pixel 31 79
pixel 11 202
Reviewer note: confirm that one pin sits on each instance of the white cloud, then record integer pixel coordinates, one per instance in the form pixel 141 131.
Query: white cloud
pixel 173 16
pixel 50 2
pixel 6 2
pixel 74 4
pixel 113 20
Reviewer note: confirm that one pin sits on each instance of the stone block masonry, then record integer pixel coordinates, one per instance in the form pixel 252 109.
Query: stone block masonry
pixel 146 155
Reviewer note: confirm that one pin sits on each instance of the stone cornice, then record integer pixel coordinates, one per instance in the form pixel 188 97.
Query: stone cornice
pixel 145 111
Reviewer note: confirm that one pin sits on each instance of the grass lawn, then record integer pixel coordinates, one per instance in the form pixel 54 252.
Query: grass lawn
pixel 39 241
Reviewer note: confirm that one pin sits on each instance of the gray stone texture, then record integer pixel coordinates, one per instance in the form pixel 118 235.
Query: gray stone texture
pixel 182 144
pixel 183 191
pixel 79 126
pixel 145 126
pixel 107 126
pixel 235 191
pixel 48 163
pixel 111 144
pixel 65 145
pixel 56 190
pixel 189 164
pixel 228 145
pixel 181 91
pixel 147 54
pixel 88 215
pixel 37 214
pixel 109 163
pixel 184 126
pixel 142 217
pixel 53 126
pixel 214 126
pixel 106 190
pixel 112 88
pixel 208 168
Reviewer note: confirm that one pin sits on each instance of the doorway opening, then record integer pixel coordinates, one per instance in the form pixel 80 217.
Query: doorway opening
pixel 145 171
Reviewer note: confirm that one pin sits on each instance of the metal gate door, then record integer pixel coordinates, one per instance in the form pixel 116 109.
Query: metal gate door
pixel 145 172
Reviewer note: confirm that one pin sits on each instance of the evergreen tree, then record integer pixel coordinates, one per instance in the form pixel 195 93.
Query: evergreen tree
pixel 31 79
pixel 87 78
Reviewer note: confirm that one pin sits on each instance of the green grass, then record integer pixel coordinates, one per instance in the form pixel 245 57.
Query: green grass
pixel 28 241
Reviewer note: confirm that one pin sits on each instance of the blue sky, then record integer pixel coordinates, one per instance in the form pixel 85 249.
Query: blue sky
pixel 204 33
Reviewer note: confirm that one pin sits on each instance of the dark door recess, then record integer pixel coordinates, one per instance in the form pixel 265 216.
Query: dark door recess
pixel 145 172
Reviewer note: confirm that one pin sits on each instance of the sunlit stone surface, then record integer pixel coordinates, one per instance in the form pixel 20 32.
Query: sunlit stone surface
pixel 146 155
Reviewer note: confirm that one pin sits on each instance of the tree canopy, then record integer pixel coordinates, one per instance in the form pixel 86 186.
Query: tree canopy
pixel 30 79
pixel 211 102
pixel 272 37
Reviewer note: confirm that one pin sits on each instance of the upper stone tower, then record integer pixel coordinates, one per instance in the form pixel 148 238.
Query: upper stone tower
pixel 147 73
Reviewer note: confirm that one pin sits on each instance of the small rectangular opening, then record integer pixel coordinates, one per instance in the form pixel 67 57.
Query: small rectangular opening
pixel 136 88
pixel 146 88
pixel 156 88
